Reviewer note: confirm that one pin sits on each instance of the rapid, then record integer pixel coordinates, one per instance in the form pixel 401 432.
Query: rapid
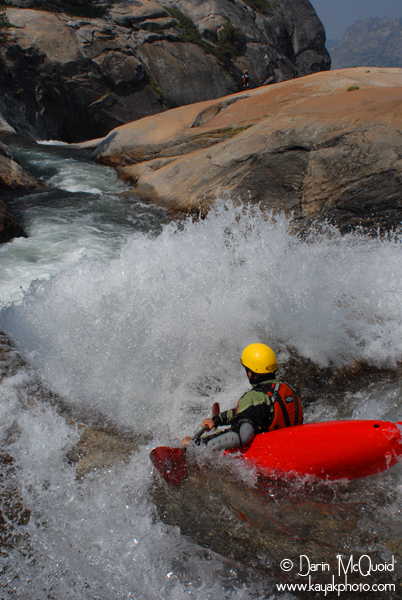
pixel 126 317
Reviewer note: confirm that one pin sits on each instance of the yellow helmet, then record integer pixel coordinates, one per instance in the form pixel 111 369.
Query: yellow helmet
pixel 259 358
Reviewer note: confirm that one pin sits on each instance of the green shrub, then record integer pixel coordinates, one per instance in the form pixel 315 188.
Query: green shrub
pixel 147 79
pixel 90 11
pixel 353 88
pixel 261 6
pixel 4 24
pixel 157 91
pixel 231 43
pixel 192 34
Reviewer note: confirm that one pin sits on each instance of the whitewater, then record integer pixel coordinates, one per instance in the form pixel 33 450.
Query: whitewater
pixel 140 320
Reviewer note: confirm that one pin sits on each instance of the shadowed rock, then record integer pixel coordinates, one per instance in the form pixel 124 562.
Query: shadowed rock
pixel 13 513
pixel 258 524
pixel 13 177
pixel 9 226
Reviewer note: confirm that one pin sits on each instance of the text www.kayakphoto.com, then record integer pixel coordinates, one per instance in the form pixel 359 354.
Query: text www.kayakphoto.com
pixel 360 566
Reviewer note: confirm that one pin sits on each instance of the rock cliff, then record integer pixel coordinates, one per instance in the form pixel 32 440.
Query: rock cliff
pixel 324 146
pixel 75 78
pixel 370 42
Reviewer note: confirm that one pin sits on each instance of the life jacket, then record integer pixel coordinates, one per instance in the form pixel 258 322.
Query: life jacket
pixel 287 405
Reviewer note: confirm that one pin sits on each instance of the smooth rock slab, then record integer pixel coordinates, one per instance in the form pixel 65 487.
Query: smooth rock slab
pixel 328 145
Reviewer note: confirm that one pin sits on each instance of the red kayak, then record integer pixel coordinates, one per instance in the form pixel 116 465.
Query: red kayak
pixel 331 450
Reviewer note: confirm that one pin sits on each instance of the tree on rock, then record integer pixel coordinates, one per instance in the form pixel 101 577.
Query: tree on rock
pixel 231 43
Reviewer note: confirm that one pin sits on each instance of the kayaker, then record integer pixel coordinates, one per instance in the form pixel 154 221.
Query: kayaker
pixel 269 405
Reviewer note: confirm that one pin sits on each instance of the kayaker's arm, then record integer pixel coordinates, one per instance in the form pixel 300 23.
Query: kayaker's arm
pixel 220 419
pixel 209 422
pixel 224 418
pixel 252 405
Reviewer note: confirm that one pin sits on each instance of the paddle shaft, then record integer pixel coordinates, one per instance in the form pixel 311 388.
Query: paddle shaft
pixel 199 434
pixel 215 412
pixel 171 462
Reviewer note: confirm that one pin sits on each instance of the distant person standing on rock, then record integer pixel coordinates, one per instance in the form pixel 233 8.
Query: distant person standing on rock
pixel 246 79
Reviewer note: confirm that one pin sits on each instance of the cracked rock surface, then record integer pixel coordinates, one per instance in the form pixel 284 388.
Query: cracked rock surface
pixel 73 78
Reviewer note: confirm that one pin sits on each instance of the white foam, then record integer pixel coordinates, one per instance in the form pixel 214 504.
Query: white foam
pixel 97 538
pixel 135 335
pixel 79 176
pixel 52 143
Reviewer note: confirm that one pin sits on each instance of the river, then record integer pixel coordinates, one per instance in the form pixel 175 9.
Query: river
pixel 131 322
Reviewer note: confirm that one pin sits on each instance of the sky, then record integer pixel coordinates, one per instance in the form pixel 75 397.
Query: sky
pixel 338 15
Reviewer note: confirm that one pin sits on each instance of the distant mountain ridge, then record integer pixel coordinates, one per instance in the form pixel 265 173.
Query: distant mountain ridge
pixel 375 42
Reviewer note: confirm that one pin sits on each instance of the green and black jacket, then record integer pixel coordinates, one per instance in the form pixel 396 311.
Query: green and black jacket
pixel 270 405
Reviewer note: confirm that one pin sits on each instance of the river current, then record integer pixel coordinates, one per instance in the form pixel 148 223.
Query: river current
pixel 126 316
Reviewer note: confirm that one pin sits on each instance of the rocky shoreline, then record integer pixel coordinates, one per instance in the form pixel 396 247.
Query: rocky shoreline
pixel 72 78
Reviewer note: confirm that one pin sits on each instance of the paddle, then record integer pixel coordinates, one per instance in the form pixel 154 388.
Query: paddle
pixel 171 462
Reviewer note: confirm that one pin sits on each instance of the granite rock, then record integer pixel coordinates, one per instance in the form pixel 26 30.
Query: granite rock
pixel 326 146
pixel 75 78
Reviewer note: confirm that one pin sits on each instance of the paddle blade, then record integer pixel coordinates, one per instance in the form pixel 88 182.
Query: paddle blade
pixel 215 409
pixel 170 462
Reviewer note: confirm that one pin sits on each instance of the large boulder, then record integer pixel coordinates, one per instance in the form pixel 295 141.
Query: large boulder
pixel 69 78
pixel 9 226
pixel 73 78
pixel 286 41
pixel 324 146
pixel 13 177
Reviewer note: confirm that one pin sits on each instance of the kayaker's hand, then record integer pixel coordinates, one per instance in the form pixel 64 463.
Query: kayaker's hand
pixel 186 441
pixel 209 423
